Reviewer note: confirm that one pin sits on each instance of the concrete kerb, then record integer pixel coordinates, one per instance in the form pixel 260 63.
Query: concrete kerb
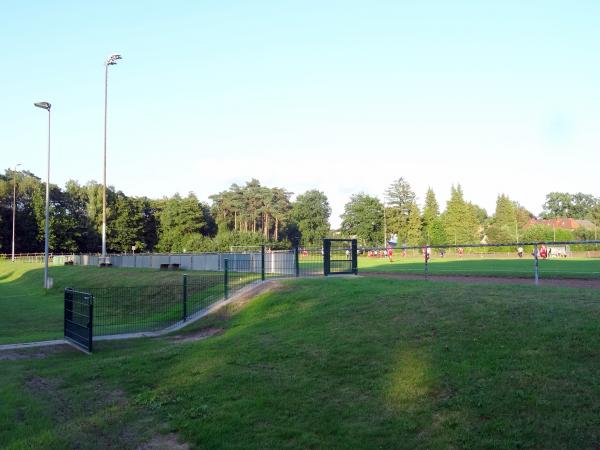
pixel 26 345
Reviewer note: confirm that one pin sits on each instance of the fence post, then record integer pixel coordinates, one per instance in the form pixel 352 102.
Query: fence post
pixel 326 253
pixel 354 257
pixel 184 297
pixel 262 262
pixel 425 250
pixel 226 278
pixel 68 307
pixel 536 265
pixel 296 262
pixel 91 323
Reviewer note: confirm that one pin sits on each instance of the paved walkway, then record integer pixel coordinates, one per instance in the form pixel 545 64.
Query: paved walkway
pixel 25 345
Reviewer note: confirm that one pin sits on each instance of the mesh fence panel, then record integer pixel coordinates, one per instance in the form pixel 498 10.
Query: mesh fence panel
pixel 575 260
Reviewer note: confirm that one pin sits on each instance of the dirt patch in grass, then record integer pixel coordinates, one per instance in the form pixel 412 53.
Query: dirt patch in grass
pixel 244 298
pixel 34 353
pixel 252 292
pixel 165 441
pixel 557 282
pixel 198 336
pixel 41 384
pixel 217 321
pixel 225 312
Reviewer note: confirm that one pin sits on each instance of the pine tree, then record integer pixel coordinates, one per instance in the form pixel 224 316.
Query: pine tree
pixel 413 226
pixel 460 220
pixel 431 211
pixel 399 198
pixel 504 226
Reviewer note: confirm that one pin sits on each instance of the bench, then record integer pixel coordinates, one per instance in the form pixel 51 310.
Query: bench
pixel 174 266
pixel 164 266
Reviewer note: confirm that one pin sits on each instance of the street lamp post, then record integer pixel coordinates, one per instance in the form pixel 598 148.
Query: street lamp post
pixel 14 210
pixel 46 106
pixel 111 61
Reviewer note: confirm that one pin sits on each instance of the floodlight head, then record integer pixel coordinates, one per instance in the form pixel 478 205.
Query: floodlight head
pixel 43 105
pixel 112 59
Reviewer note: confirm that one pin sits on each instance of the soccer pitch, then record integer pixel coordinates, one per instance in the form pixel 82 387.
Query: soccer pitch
pixel 489 266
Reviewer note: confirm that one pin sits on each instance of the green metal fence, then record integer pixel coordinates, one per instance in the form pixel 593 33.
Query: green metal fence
pixel 120 310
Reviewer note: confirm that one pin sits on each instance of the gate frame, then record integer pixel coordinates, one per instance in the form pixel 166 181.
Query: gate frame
pixel 327 257
pixel 86 343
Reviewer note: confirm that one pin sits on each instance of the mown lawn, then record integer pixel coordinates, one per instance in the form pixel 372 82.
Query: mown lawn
pixel 523 268
pixel 332 363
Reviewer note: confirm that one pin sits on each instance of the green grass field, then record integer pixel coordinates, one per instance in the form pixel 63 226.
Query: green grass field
pixel 331 363
pixel 505 267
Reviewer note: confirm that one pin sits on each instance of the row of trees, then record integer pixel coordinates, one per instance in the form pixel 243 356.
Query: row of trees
pixel 577 206
pixel 254 214
pixel 243 215
pixel 462 222
pixel 269 211
pixel 369 219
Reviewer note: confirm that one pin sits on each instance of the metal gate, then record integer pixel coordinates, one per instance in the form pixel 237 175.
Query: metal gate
pixel 340 256
pixel 79 314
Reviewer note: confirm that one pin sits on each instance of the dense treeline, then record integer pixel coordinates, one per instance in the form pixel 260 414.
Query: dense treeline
pixel 462 222
pixel 253 214
pixel 241 216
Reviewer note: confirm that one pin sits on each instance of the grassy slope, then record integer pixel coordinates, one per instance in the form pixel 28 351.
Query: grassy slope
pixel 28 313
pixel 550 268
pixel 335 363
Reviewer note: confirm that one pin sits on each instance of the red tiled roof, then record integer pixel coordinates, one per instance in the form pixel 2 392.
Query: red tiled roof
pixel 567 223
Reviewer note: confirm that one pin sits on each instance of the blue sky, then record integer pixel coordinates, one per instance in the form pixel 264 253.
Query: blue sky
pixel 337 95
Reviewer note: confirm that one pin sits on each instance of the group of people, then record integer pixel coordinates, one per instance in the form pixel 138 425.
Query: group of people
pixel 387 253
pixel 543 252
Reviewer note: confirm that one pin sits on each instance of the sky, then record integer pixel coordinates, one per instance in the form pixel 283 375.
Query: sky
pixel 341 96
